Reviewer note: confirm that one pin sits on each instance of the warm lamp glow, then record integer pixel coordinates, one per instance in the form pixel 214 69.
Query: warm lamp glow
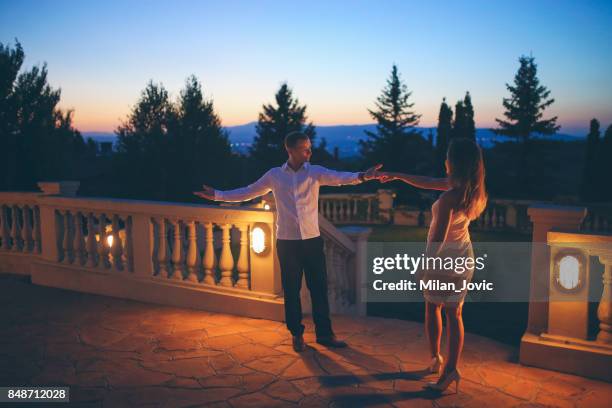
pixel 258 240
pixel 569 272
pixel 266 206
pixel 109 240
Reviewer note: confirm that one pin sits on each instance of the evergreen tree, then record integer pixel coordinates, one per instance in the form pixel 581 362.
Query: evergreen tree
pixel 603 171
pixel 526 104
pixel 396 142
pixel 590 176
pixel 201 146
pixel 37 139
pixel 445 118
pixel 144 142
pixel 464 126
pixel 459 124
pixel 470 125
pixel 274 123
pixel 524 112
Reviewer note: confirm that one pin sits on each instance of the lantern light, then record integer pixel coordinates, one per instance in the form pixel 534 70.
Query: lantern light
pixel 569 272
pixel 258 240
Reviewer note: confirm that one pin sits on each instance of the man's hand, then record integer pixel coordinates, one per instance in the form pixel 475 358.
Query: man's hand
pixel 385 177
pixel 372 172
pixel 207 192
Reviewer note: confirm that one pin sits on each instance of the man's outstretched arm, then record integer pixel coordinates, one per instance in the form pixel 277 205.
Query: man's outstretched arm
pixel 329 177
pixel 258 188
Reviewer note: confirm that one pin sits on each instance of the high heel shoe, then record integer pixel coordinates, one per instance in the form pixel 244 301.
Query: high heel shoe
pixel 445 381
pixel 436 364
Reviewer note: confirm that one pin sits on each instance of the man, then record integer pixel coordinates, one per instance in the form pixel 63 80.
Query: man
pixel 299 245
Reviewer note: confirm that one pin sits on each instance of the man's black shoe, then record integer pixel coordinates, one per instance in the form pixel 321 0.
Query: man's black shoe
pixel 298 343
pixel 331 341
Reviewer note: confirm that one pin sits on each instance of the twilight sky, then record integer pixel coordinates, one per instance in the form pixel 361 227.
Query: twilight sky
pixel 335 55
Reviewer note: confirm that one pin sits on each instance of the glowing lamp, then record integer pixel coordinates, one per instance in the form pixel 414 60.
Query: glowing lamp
pixel 569 271
pixel 266 206
pixel 258 240
pixel 109 240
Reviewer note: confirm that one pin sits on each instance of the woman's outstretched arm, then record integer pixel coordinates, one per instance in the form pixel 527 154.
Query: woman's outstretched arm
pixel 429 183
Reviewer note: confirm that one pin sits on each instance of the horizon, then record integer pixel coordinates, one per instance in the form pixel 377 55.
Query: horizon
pixel 336 61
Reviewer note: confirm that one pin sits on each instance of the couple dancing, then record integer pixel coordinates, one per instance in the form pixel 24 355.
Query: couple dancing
pixel 295 186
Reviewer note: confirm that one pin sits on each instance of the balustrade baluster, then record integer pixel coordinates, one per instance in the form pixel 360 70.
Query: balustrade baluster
pixel 192 252
pixel 6 237
pixel 226 262
pixel 161 248
pixel 243 259
pixel 209 261
pixel 78 244
pixel 176 251
pixel 91 241
pixel 117 248
pixel 67 242
pixel 103 262
pixel 15 230
pixel 28 245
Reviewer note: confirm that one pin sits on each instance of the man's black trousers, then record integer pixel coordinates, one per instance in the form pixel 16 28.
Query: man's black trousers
pixel 297 257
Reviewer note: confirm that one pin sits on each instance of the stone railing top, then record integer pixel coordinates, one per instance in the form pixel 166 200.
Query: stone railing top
pixel 160 209
pixel 7 197
pixel 67 188
pixel 544 210
pixel 597 244
pixel 346 196
pixel 330 231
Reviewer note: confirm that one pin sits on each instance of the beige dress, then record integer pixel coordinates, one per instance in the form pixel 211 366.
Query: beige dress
pixel 457 244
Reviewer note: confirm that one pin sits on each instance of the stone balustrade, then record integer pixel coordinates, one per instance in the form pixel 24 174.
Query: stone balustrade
pixel 557 336
pixel 358 208
pixel 208 257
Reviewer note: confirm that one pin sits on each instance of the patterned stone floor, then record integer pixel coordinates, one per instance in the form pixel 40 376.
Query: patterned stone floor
pixel 115 353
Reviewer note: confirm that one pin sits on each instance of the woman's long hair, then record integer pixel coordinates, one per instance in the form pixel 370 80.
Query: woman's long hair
pixel 467 174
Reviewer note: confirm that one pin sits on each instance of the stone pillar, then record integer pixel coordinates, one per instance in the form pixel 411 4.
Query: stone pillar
pixel 64 188
pixel 546 217
pixel 49 238
pixel 385 204
pixel 360 235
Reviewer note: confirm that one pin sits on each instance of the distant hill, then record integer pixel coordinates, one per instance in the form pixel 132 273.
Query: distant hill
pixel 344 137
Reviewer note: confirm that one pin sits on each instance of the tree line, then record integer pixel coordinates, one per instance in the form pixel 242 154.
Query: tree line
pixel 166 148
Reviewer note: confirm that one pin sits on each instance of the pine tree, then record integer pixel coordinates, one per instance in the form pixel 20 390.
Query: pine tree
pixel 470 125
pixel 603 170
pixel 445 118
pixel 459 124
pixel 464 126
pixel 201 146
pixel 396 142
pixel 590 176
pixel 144 141
pixel 274 123
pixel 524 111
pixel 37 139
pixel 526 104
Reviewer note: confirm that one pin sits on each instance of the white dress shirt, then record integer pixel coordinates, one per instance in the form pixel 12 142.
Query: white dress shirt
pixel 296 194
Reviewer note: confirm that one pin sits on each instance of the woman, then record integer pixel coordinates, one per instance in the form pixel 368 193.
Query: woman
pixel 463 200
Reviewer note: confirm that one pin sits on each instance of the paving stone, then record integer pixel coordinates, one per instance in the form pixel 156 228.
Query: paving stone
pixel 284 390
pixel 249 352
pixel 272 365
pixel 258 399
pixel 116 353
